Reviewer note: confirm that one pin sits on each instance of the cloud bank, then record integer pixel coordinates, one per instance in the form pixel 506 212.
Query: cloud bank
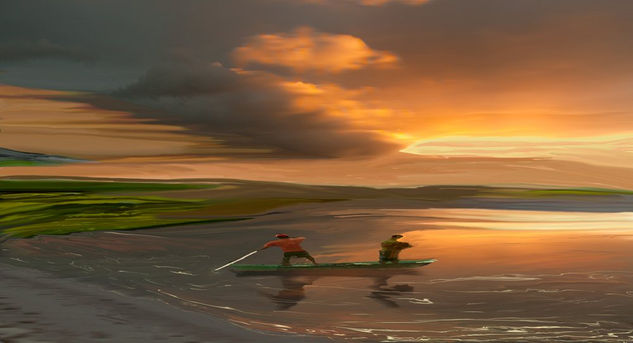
pixel 248 108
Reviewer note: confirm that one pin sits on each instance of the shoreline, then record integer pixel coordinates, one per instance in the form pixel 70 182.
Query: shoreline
pixel 38 307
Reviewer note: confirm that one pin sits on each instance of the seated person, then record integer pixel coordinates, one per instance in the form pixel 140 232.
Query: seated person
pixel 390 249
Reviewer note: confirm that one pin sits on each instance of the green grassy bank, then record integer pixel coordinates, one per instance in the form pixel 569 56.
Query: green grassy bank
pixel 35 207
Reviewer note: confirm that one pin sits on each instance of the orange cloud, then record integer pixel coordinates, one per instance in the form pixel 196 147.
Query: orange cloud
pixel 354 106
pixel 308 50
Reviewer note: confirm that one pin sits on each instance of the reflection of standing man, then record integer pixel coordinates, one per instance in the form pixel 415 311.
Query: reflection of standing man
pixel 390 249
pixel 291 246
pixel 292 293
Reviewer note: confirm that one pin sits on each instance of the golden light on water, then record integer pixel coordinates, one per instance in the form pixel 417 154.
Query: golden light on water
pixel 483 241
pixel 526 220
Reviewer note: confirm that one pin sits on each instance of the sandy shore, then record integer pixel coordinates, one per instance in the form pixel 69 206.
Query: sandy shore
pixel 36 307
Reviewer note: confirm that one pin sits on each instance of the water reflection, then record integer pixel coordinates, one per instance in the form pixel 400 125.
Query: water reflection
pixel 383 293
pixel 293 290
pixel 292 293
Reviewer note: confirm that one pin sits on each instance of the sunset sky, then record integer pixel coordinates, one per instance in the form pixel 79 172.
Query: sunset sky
pixel 292 90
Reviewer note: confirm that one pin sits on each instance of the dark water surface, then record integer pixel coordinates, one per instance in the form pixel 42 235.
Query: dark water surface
pixel 518 273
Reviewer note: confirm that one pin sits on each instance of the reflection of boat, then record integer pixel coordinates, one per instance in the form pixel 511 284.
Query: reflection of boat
pixel 293 291
pixel 328 268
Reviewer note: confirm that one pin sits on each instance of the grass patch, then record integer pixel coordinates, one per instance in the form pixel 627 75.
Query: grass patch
pixel 49 207
pixel 52 207
pixel 45 186
pixel 25 163
pixel 27 216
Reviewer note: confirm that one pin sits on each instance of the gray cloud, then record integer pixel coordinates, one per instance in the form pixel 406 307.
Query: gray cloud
pixel 183 80
pixel 251 108
pixel 41 49
pixel 495 41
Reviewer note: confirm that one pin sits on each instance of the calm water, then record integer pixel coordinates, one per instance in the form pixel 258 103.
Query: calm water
pixel 520 273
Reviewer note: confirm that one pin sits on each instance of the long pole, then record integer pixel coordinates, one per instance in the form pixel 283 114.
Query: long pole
pixel 239 259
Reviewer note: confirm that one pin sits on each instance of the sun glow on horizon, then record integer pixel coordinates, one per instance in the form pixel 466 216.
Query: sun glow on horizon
pixel 615 150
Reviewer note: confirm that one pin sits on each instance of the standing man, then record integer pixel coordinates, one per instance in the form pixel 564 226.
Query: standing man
pixel 390 249
pixel 291 246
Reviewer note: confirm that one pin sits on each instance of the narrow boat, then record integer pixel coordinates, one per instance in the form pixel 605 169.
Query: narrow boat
pixel 328 268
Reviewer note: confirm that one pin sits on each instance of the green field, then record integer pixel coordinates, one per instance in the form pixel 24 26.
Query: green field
pixel 26 163
pixel 35 207
pixel 29 208
pixel 26 186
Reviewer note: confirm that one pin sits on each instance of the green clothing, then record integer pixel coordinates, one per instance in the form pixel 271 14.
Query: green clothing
pixel 390 249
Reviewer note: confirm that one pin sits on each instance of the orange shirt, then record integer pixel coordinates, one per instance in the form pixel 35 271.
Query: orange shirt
pixel 287 244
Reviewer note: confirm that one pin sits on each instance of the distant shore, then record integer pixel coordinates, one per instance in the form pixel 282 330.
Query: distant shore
pixel 36 307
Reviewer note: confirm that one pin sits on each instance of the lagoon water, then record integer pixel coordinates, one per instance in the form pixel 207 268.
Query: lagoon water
pixel 512 270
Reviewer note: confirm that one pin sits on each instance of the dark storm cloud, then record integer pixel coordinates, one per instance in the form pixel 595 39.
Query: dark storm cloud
pixel 490 40
pixel 213 100
pixel 42 49
pixel 183 80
